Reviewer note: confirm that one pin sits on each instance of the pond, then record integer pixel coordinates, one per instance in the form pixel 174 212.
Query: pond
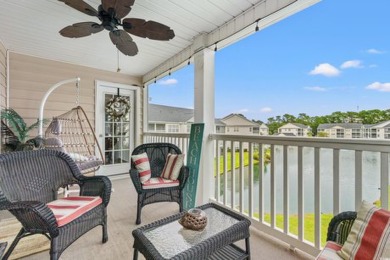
pixel 371 181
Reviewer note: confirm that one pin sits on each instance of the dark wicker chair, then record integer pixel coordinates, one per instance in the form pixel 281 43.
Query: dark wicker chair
pixel 157 154
pixel 31 179
pixel 340 226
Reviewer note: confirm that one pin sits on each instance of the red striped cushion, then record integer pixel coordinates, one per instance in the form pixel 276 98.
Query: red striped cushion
pixel 141 162
pixel 155 183
pixel 172 166
pixel 67 209
pixel 329 252
pixel 369 236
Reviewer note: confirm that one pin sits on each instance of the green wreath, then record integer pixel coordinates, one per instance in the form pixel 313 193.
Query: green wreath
pixel 117 107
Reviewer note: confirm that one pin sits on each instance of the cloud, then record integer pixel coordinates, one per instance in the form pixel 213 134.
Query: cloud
pixel 266 110
pixel 170 81
pixel 351 64
pixel 325 69
pixel 316 88
pixel 383 87
pixel 244 110
pixel 374 51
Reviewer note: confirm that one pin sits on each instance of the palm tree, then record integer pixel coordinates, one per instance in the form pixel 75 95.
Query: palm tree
pixel 15 131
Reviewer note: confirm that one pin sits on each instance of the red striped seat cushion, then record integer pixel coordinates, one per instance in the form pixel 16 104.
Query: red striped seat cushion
pixel 369 236
pixel 67 209
pixel 142 164
pixel 155 183
pixel 172 166
pixel 329 252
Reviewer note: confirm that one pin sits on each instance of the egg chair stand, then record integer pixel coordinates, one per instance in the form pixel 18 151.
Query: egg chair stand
pixel 72 133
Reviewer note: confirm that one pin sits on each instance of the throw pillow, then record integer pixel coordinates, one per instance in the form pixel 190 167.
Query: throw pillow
pixel 369 236
pixel 141 162
pixel 172 166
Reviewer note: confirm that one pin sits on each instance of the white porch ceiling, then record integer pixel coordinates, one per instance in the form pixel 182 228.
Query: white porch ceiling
pixel 31 27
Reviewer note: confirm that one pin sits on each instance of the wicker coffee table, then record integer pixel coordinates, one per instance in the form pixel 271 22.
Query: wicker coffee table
pixel 167 239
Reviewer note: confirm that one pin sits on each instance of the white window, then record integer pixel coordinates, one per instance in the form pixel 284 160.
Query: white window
pixel 172 128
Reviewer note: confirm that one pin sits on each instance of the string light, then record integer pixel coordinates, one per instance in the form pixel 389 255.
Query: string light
pixel 216 46
pixel 257 26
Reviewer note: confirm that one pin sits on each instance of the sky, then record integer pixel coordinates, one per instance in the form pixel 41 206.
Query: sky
pixel 333 56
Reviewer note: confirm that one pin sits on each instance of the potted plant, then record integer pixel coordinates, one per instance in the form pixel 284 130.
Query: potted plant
pixel 15 132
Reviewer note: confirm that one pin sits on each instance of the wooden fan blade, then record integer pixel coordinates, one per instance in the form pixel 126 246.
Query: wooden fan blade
pixel 148 29
pixel 81 29
pixel 124 42
pixel 121 8
pixel 81 6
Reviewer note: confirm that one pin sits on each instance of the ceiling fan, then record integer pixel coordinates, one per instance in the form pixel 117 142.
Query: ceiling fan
pixel 110 13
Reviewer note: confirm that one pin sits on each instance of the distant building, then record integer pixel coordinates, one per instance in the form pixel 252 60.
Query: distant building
pixel 294 129
pixel 342 130
pixel 167 119
pixel 237 124
pixel 380 130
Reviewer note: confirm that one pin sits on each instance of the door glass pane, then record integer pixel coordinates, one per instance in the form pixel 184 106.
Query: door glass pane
pixel 126 156
pixel 108 158
pixel 108 129
pixel 117 157
pixel 125 142
pixel 117 135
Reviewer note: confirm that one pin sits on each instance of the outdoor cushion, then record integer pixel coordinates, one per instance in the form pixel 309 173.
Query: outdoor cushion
pixel 329 252
pixel 369 234
pixel 172 166
pixel 158 182
pixel 67 209
pixel 142 164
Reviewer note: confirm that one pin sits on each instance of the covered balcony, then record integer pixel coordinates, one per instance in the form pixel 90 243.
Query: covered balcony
pixel 288 187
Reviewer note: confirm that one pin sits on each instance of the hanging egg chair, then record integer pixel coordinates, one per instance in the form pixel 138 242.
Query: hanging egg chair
pixel 73 134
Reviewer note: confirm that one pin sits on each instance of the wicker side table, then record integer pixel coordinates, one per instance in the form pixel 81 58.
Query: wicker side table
pixel 167 239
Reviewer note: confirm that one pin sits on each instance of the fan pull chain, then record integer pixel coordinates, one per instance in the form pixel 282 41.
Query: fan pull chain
pixel 78 93
pixel 118 69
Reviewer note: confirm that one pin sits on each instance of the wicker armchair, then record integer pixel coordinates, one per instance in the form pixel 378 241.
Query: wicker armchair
pixel 30 180
pixel 340 226
pixel 157 154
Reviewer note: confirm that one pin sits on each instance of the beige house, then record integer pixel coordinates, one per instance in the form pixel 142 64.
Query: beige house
pixel 237 124
pixel 294 129
pixel 378 131
pixel 342 130
pixel 168 119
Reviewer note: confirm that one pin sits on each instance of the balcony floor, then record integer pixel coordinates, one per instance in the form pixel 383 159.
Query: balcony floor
pixel 121 221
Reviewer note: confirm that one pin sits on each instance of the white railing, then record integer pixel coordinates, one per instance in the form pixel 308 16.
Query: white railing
pixel 294 178
pixel 180 140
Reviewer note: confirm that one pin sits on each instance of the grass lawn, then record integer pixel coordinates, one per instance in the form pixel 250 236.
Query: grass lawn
pixel 309 225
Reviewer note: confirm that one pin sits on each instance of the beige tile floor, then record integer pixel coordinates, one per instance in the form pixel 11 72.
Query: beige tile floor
pixel 121 222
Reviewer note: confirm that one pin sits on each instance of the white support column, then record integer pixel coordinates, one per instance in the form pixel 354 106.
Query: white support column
pixel 204 113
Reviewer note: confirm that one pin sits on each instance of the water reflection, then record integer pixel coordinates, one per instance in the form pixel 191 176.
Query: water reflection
pixel 371 181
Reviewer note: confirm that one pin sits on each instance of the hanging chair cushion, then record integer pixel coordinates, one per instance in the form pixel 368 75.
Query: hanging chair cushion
pixel 90 164
pixel 67 209
pixel 54 143
pixel 158 182
pixel 172 166
pixel 142 164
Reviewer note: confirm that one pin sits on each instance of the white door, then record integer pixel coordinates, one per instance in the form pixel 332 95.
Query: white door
pixel 116 135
